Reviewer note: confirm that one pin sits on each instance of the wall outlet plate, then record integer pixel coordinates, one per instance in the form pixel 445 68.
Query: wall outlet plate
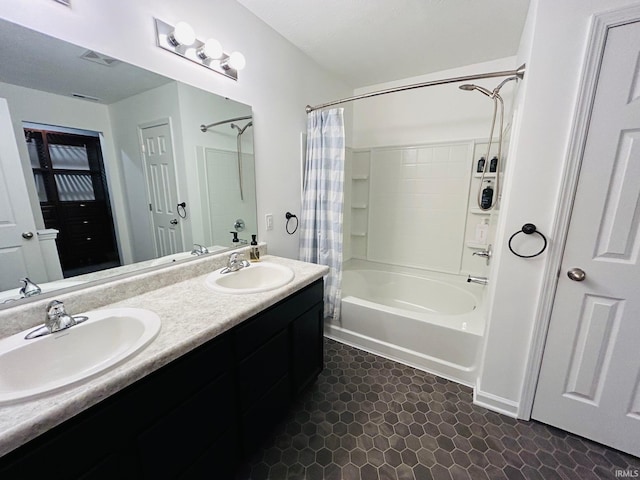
pixel 268 220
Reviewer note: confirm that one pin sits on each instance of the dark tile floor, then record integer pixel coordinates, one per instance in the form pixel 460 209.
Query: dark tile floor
pixel 371 418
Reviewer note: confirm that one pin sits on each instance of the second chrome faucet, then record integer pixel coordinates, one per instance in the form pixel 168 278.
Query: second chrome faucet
pixel 235 263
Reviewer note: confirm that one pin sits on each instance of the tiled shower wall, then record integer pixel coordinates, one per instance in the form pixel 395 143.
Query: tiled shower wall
pixel 410 207
pixel 220 194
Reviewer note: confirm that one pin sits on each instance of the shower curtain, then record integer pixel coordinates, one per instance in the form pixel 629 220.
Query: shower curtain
pixel 322 201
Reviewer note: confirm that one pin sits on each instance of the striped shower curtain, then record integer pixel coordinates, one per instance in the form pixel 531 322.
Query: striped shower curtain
pixel 322 201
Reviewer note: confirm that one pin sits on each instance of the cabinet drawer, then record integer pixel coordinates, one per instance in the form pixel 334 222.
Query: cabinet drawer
pixel 91 227
pixel 83 209
pixel 261 370
pixel 256 331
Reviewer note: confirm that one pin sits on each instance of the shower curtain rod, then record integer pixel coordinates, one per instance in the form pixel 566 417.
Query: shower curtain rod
pixel 204 128
pixel 519 72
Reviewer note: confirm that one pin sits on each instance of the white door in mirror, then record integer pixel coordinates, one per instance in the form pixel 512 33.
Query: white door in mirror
pixel 258 277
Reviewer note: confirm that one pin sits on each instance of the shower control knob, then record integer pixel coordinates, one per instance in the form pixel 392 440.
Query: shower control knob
pixel 576 274
pixel 27 235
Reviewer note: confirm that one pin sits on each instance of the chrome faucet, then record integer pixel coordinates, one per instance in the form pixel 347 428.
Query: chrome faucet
pixel 57 319
pixel 235 263
pixel 484 253
pixel 480 280
pixel 199 249
pixel 29 288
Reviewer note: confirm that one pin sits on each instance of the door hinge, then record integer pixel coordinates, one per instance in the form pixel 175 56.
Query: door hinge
pixel 144 150
pixel 150 208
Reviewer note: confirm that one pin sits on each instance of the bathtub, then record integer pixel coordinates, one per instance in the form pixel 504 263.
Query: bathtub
pixel 433 322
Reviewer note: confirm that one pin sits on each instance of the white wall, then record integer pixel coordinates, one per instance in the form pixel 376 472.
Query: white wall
pixel 553 48
pixel 278 81
pixel 436 114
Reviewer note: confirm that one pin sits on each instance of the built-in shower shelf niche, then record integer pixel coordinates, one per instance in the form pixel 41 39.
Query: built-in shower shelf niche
pixel 486 175
pixel 476 246
pixel 479 211
pixel 471 264
pixel 360 170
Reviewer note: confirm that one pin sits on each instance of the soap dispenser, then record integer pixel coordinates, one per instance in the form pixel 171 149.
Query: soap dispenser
pixel 235 239
pixel 493 165
pixel 254 252
pixel 486 199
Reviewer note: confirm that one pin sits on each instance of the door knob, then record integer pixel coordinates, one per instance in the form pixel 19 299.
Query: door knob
pixel 173 222
pixel 27 235
pixel 576 274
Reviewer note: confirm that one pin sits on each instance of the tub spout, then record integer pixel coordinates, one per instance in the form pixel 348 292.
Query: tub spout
pixel 480 280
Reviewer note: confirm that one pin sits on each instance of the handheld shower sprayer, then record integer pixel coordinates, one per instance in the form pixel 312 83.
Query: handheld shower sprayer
pixel 470 87
pixel 239 146
pixel 489 93
pixel 495 96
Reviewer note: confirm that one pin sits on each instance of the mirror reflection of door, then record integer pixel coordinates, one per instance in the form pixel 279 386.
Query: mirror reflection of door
pixel 71 184
pixel 20 255
pixel 161 188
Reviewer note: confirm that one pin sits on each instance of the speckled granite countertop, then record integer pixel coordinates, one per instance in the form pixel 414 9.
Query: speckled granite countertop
pixel 191 315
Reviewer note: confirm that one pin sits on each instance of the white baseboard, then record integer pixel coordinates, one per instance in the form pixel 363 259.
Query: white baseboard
pixel 495 403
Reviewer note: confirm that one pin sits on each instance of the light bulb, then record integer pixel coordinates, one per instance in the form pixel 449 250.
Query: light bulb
pixel 182 34
pixel 210 49
pixel 236 61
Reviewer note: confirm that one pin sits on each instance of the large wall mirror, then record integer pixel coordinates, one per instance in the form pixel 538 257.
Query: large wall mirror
pixel 114 158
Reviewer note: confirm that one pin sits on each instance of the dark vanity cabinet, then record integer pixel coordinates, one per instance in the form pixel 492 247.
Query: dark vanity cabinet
pixel 270 361
pixel 196 417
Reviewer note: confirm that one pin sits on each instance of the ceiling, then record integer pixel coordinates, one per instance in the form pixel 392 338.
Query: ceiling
pixel 365 42
pixel 37 61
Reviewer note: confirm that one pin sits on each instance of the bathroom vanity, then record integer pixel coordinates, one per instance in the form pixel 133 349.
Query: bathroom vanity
pixel 200 413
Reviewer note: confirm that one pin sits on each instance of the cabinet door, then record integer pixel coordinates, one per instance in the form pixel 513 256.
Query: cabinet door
pixel 173 444
pixel 258 422
pixel 261 371
pixel 308 356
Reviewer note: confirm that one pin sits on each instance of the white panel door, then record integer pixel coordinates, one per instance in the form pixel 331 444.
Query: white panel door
pixel 161 186
pixel 589 383
pixel 20 255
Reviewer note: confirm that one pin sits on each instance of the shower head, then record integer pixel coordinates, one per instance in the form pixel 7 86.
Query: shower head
pixel 241 130
pixel 491 94
pixel 470 86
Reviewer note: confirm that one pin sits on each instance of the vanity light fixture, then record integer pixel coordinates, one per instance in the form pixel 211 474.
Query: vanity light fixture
pixel 234 61
pixel 181 40
pixel 210 50
pixel 182 35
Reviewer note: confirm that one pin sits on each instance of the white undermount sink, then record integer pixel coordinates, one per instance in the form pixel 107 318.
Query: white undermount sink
pixel 38 366
pixel 257 277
